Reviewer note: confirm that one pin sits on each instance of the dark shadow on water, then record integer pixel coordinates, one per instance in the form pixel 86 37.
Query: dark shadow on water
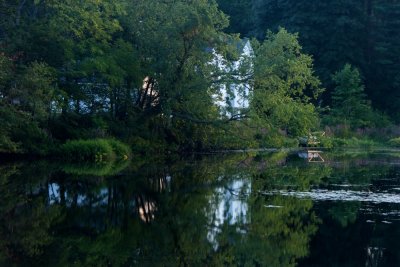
pixel 203 211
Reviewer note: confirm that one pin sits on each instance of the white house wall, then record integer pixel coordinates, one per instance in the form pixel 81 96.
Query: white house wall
pixel 232 98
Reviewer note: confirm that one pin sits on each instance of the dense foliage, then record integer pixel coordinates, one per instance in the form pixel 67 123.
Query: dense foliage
pixel 365 34
pixel 284 85
pixel 142 71
pixel 136 70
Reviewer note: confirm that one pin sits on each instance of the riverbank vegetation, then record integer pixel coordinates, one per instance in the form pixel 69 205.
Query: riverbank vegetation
pixel 75 75
pixel 94 150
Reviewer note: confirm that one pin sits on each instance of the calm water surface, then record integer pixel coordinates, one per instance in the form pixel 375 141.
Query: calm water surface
pixel 270 209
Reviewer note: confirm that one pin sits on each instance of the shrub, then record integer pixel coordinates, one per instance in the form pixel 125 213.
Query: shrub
pixel 121 150
pixel 326 142
pixel 354 143
pixel 277 139
pixel 96 150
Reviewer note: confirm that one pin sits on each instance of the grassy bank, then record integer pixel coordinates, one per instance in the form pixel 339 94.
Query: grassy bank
pixel 94 150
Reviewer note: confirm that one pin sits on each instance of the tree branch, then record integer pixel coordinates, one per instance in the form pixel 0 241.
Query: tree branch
pixel 188 117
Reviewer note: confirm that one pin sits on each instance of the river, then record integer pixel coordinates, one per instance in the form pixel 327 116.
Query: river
pixel 240 209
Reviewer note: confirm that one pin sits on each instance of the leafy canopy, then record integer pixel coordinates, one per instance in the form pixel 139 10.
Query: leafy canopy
pixel 285 84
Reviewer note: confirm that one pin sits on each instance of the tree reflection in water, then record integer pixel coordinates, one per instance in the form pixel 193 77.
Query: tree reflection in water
pixel 147 208
pixel 229 204
pixel 206 212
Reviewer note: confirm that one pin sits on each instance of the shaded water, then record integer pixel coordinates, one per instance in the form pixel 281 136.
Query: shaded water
pixel 273 209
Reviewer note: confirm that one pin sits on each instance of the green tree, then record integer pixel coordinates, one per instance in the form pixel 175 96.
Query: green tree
pixel 90 65
pixel 363 33
pixel 285 84
pixel 173 41
pixel 26 94
pixel 350 106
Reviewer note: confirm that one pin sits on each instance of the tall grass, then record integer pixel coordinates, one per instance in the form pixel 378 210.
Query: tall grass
pixel 94 150
pixel 121 150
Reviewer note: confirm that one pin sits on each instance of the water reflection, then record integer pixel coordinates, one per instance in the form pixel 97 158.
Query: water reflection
pixel 311 155
pixel 239 210
pixel 147 208
pixel 340 195
pixel 375 256
pixel 229 204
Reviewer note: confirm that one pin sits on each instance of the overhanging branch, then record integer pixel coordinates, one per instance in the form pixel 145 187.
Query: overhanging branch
pixel 188 117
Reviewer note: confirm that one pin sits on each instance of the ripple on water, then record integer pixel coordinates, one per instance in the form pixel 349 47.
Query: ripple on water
pixel 340 195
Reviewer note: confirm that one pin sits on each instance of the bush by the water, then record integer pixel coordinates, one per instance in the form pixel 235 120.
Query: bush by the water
pixel 121 150
pixel 95 150
pixel 354 142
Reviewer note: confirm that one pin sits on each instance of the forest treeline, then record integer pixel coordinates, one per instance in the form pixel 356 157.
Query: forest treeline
pixel 364 33
pixel 140 71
